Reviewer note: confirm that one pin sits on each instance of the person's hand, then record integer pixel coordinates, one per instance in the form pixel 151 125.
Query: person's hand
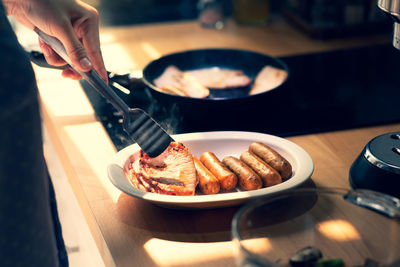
pixel 74 23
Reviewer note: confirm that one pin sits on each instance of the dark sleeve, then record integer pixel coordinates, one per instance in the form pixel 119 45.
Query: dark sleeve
pixel 27 236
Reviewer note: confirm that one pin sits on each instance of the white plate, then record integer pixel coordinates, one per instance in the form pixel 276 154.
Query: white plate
pixel 221 144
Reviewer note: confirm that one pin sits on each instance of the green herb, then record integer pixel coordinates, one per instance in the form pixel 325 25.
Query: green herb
pixel 329 263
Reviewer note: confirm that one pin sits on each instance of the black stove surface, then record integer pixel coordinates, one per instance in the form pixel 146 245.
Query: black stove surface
pixel 325 92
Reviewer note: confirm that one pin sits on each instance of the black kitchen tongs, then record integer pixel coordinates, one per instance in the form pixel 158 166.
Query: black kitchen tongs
pixel 145 131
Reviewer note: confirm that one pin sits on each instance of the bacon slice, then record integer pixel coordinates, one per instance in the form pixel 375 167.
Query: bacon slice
pixel 174 81
pixel 172 173
pixel 267 79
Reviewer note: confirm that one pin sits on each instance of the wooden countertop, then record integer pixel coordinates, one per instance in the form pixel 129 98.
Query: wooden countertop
pixel 132 232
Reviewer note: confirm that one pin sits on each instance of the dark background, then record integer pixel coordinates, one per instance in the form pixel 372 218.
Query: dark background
pixel 320 19
pixel 120 12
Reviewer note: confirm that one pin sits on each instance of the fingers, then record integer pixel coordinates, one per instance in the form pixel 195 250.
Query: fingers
pixel 70 73
pixel 91 43
pixel 88 31
pixel 54 59
pixel 51 57
pixel 75 50
pixel 76 26
pixel 81 41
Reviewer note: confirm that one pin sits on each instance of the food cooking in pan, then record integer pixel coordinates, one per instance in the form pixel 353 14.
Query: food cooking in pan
pixel 220 78
pixel 198 83
pixel 177 172
pixel 267 79
pixel 175 82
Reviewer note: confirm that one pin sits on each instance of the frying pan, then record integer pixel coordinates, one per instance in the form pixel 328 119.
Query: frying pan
pixel 220 103
pixel 229 109
pixel 249 62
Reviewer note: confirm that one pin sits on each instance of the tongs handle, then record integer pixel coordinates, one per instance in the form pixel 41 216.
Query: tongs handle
pixel 91 76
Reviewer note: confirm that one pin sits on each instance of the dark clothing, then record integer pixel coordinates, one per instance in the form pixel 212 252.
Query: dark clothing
pixel 30 233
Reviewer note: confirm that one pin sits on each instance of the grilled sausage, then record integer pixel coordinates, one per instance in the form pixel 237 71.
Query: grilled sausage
pixel 268 174
pixel 226 178
pixel 273 158
pixel 248 179
pixel 208 183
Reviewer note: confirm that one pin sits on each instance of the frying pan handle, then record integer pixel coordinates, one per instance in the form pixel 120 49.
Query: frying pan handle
pixel 127 80
pixel 39 59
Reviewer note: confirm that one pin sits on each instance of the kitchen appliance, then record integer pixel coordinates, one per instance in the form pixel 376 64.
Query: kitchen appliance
pixel 392 8
pixel 378 165
pixel 325 91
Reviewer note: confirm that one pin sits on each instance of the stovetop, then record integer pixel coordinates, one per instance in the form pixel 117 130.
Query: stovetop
pixel 325 91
